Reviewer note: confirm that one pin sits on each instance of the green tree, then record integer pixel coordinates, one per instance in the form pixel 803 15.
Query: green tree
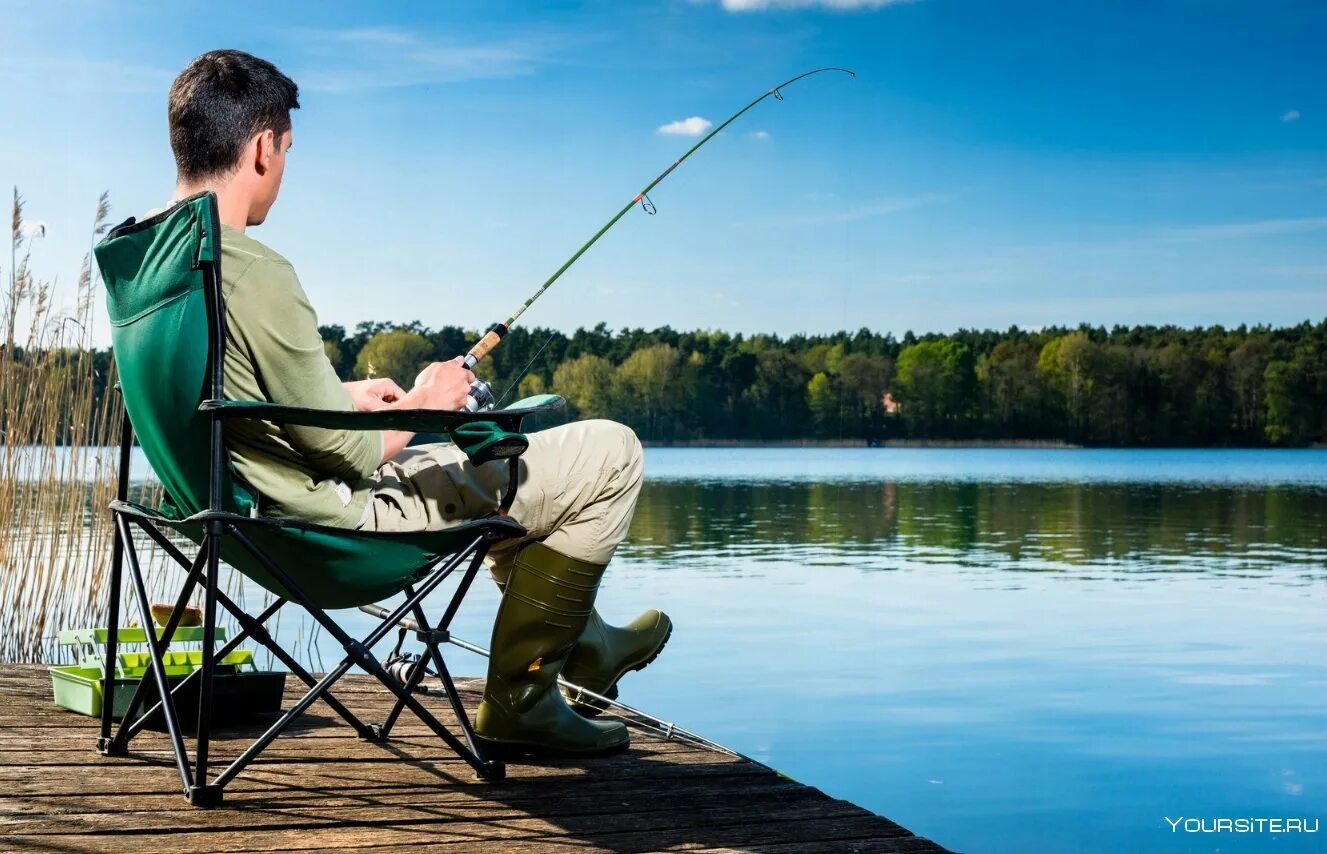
pixel 1247 370
pixel 646 383
pixel 863 381
pixel 822 399
pixel 1065 363
pixel 775 405
pixel 1010 389
pixel 334 340
pixel 396 353
pixel 1287 420
pixel 934 384
pixel 530 385
pixel 334 355
pixel 1297 396
pixel 587 384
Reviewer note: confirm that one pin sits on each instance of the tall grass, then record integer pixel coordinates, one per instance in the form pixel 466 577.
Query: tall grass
pixel 59 436
pixel 55 474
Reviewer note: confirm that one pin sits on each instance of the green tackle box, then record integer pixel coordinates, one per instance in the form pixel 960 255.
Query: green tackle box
pixel 240 690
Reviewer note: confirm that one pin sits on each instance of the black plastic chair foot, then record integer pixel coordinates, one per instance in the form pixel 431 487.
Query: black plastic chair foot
pixel 205 796
pixel 373 732
pixel 495 771
pixel 108 747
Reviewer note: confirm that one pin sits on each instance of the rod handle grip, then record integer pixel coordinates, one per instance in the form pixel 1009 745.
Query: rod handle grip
pixel 485 345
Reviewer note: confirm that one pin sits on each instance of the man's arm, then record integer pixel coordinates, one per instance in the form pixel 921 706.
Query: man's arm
pixel 271 318
pixel 441 385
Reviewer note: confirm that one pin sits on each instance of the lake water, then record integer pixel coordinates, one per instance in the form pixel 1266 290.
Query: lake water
pixel 1003 650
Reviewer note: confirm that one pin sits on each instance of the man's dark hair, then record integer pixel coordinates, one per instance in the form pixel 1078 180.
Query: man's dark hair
pixel 219 101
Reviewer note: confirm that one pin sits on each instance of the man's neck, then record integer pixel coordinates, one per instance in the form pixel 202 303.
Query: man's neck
pixel 233 209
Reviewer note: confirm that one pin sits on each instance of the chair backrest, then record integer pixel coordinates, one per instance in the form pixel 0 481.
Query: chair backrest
pixel 163 294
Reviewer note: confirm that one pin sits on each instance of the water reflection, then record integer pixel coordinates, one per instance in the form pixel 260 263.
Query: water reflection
pixel 1105 529
pixel 1006 651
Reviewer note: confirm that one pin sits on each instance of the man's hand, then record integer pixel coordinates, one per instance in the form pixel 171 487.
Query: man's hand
pixel 442 385
pixel 372 395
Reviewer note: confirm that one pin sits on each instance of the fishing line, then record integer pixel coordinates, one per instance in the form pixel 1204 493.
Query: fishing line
pixel 481 396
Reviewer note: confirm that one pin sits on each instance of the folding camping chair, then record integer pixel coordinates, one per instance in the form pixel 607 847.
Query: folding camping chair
pixel 163 285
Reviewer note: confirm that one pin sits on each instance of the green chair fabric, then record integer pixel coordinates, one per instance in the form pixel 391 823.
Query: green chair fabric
pixel 161 329
pixel 154 283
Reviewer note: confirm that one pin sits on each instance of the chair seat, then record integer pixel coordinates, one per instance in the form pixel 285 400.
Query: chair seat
pixel 335 567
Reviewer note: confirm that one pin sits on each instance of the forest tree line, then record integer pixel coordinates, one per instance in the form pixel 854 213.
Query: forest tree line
pixel 1124 386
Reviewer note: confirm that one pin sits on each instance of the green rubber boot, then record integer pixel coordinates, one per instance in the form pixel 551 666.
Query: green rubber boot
pixel 605 653
pixel 545 605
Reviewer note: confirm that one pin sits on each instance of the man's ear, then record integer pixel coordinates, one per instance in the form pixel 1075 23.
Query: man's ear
pixel 264 149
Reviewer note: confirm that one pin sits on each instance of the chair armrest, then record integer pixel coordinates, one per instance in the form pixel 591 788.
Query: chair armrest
pixel 413 420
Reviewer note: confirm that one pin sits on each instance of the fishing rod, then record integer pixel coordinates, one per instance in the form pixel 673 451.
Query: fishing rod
pixel 481 395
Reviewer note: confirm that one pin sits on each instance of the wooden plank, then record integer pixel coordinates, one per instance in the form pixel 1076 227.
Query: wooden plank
pixel 124 781
pixel 721 825
pixel 29 806
pixel 681 806
pixel 319 787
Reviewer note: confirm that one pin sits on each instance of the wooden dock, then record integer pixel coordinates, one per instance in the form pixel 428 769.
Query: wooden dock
pixel 321 788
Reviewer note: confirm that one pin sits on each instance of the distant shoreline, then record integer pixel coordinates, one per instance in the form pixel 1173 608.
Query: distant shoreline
pixel 1050 444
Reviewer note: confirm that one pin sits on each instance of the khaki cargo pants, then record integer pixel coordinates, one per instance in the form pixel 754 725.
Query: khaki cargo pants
pixel 576 491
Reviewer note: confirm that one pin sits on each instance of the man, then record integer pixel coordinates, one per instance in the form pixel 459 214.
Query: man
pixel 230 131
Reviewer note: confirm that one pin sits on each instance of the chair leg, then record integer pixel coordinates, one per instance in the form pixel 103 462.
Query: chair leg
pixel 431 638
pixel 358 652
pixel 252 627
pixel 127 730
pixel 155 660
pixel 431 643
pixel 201 794
pixel 105 744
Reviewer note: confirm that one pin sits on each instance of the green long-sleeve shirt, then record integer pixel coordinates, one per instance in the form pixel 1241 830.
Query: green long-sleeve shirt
pixel 274 353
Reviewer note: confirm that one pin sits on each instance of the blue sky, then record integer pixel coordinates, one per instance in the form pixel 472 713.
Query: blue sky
pixel 993 163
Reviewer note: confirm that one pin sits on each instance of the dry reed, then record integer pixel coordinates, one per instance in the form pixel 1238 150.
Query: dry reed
pixel 55 476
pixel 59 435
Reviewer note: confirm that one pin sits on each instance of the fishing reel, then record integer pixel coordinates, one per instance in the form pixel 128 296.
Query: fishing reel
pixel 480 398
pixel 405 667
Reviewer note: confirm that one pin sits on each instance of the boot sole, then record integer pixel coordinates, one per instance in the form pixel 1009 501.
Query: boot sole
pixel 590 707
pixel 512 750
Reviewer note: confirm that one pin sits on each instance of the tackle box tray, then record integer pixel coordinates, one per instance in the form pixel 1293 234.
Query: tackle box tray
pixel 240 690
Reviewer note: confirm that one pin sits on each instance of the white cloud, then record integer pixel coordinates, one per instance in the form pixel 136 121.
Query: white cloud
pixel 1306 271
pixel 880 207
pixel 375 35
pixel 759 134
pixel 1235 230
pixel 1290 116
pixel 64 73
pixel 365 58
pixel 895 204
pixel 836 5
pixel 693 126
